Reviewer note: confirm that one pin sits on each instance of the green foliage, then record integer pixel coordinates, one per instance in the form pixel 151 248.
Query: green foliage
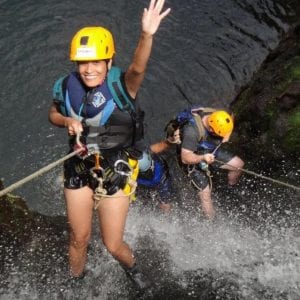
pixel 292 139
pixel 295 68
pixel 290 72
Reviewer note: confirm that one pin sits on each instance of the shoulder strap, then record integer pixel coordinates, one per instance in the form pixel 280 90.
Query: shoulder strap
pixel 58 93
pixel 201 130
pixel 117 90
pixel 198 119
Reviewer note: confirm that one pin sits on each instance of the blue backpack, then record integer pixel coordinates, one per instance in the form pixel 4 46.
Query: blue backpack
pixel 191 115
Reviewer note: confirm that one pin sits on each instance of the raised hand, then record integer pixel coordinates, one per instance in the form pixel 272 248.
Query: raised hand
pixel 153 16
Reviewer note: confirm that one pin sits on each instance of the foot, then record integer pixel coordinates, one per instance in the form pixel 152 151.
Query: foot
pixel 139 279
pixel 165 207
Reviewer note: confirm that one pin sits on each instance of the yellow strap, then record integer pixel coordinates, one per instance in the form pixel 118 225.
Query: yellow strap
pixel 97 161
pixel 131 184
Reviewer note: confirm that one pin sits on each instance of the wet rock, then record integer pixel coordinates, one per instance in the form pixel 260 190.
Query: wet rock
pixel 268 109
pixel 23 230
pixel 290 97
pixel 15 217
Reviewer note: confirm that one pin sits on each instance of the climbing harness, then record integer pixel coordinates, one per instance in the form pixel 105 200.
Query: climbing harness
pixel 110 174
pixel 204 167
pixel 101 175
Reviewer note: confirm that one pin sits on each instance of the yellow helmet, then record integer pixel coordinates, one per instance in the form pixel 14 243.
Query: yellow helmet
pixel 92 43
pixel 221 123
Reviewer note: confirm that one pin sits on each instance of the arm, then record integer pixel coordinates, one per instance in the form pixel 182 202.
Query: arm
pixel 189 147
pixel 165 144
pixel 150 23
pixel 188 157
pixel 160 146
pixel 58 119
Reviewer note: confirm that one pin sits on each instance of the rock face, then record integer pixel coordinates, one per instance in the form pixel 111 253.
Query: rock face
pixel 22 230
pixel 267 110
pixel 15 216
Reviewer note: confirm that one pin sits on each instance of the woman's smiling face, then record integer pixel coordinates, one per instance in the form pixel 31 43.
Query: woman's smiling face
pixel 93 73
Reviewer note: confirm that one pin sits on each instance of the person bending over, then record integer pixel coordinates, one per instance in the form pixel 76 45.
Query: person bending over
pixel 202 132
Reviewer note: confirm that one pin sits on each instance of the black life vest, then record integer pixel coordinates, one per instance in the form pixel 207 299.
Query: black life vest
pixel 111 119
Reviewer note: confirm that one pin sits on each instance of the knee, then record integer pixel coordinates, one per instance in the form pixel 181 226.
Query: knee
pixel 79 241
pixel 237 162
pixel 240 163
pixel 114 248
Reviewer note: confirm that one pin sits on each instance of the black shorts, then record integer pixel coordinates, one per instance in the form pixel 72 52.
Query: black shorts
pixel 77 173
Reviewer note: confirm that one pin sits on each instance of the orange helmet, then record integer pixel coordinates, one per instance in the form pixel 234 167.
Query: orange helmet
pixel 92 43
pixel 221 123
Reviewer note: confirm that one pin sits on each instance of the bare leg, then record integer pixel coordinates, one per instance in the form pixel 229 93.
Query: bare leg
pixel 234 166
pixel 79 204
pixel 206 202
pixel 112 217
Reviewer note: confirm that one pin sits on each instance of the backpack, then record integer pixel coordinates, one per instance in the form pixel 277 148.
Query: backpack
pixel 189 116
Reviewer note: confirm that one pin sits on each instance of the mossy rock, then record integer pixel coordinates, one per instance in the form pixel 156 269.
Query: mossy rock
pixel 267 109
pixel 15 216
pixel 292 140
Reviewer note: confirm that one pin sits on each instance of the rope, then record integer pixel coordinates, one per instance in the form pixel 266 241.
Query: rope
pixel 100 193
pixel 38 173
pixel 297 188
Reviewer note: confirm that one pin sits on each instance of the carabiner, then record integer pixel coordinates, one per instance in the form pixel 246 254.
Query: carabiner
pixel 120 161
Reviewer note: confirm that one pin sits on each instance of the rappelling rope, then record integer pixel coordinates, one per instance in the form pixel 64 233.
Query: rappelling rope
pixel 44 169
pixel 297 188
pixel 100 192
pixel 38 173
